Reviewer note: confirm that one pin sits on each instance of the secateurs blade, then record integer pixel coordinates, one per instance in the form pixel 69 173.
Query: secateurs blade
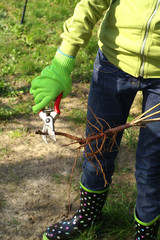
pixel 49 116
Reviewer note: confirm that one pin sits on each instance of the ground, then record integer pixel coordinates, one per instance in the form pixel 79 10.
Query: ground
pixel 35 176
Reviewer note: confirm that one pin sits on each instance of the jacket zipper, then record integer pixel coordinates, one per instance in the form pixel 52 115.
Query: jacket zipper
pixel 145 38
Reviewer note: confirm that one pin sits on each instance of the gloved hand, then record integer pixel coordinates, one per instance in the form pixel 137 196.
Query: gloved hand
pixel 54 79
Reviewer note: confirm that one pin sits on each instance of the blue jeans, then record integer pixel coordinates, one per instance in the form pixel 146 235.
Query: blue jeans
pixel 112 92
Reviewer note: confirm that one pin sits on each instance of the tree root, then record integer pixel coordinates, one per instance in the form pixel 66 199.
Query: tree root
pixel 110 134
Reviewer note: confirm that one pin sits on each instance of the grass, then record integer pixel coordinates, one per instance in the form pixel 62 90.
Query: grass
pixel 2 202
pixel 14 221
pixel 77 116
pixel 4 151
pixel 130 138
pixel 25 50
pixel 57 178
pixel 18 133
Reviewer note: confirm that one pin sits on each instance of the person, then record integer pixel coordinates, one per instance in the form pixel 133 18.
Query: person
pixel 128 61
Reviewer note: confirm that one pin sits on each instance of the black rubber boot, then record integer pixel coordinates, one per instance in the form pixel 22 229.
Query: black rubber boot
pixel 146 231
pixel 90 211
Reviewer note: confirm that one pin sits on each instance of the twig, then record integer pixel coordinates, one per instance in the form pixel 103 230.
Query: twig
pixel 143 114
pixel 78 140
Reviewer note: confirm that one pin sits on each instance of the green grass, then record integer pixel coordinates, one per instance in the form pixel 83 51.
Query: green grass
pixel 130 138
pixel 18 133
pixel 5 151
pixel 77 116
pixel 2 202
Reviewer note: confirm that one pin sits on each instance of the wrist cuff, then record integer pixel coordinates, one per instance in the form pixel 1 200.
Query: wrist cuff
pixel 63 61
pixel 65 54
pixel 69 49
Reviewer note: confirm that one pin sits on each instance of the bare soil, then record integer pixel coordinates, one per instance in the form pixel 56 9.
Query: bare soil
pixel 34 176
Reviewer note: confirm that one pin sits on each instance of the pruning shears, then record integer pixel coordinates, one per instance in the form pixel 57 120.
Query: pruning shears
pixel 49 117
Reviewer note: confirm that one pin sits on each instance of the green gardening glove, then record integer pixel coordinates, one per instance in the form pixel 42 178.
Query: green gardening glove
pixel 54 79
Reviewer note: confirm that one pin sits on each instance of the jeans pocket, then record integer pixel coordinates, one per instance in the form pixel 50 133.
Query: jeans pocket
pixel 102 64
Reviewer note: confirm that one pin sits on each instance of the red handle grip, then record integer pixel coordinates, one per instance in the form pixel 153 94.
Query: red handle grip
pixel 57 103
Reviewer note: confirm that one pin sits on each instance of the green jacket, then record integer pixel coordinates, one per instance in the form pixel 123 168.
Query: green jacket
pixel 129 34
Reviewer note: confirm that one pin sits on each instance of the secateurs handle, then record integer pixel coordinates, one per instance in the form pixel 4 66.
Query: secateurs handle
pixel 57 103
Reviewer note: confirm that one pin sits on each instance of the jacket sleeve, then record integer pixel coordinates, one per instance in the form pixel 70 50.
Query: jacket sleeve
pixel 78 28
